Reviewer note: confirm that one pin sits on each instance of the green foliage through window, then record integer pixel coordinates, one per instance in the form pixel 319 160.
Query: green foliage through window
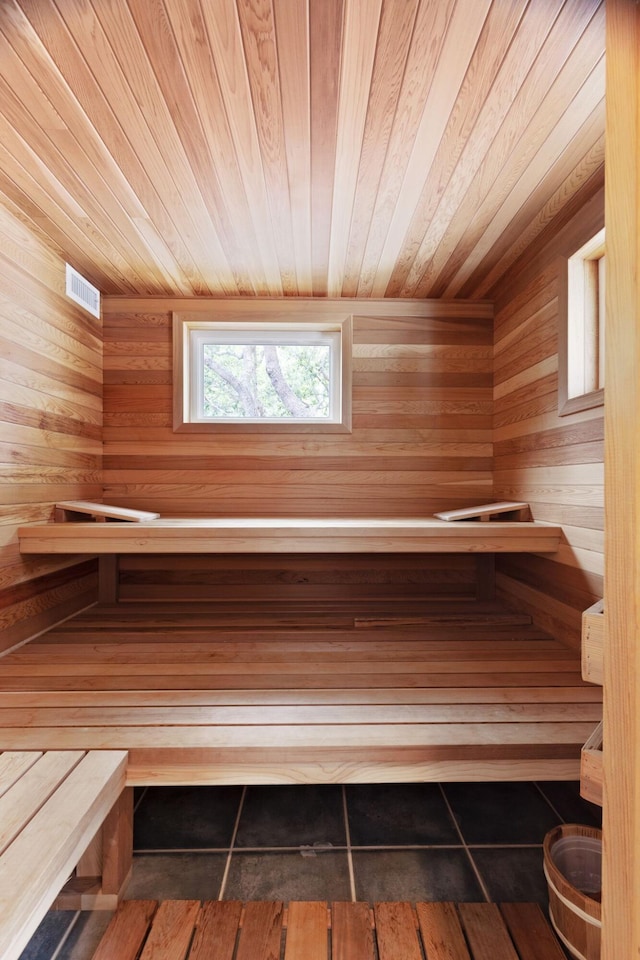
pixel 266 381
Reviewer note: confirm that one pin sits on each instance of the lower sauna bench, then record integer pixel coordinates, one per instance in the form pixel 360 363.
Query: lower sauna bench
pixel 51 806
pixel 229 930
pixel 357 691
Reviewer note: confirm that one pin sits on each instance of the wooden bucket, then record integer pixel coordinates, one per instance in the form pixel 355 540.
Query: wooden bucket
pixel 572 866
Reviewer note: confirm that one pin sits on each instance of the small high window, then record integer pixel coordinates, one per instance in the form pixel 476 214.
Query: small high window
pixel 261 375
pixel 582 317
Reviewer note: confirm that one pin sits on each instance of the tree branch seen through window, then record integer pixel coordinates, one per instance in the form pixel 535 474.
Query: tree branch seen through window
pixel 266 381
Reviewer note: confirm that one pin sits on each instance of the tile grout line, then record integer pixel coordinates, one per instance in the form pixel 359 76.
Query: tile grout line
pixel 66 935
pixel 481 882
pixel 352 876
pixel 548 801
pixel 227 866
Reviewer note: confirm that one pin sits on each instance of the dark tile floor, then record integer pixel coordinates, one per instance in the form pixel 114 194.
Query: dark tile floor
pixel 455 841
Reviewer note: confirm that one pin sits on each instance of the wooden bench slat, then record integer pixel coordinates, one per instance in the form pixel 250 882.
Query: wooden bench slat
pixel 217 930
pixel 530 932
pixel 40 859
pixel 127 930
pixel 351 931
pixel 396 932
pixel 307 931
pixel 13 764
pixel 19 804
pixel 171 930
pixel 280 736
pixel 261 931
pixel 441 932
pixel 486 932
pixel 166 698
pixel 262 715
pixel 277 535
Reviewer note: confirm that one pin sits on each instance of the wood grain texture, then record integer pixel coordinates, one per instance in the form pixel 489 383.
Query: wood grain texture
pixel 357 932
pixel 307 931
pixel 441 931
pixel 486 932
pixel 294 535
pixel 421 420
pixel 351 931
pixel 57 824
pixel 296 148
pixel 50 386
pixel 555 462
pixel 469 691
pixel 621 825
pixel 217 928
pixel 127 930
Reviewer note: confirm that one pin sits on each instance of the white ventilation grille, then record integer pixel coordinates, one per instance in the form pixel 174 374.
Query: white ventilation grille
pixel 83 292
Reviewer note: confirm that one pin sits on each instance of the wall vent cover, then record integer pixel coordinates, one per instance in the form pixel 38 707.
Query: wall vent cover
pixel 82 291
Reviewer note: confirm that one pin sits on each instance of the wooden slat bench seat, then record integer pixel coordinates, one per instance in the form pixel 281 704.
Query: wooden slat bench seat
pixel 51 806
pixel 197 696
pixel 255 535
pixel 229 930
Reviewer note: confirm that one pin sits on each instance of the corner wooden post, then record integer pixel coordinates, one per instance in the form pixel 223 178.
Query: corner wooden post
pixel 117 845
pixel 104 869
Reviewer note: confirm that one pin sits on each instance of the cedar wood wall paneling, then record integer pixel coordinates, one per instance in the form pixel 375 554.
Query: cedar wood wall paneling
pixel 412 450
pixel 421 441
pixel 369 148
pixel 50 433
pixel 554 462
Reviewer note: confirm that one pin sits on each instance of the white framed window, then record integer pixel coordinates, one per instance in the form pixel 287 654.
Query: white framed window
pixel 582 328
pixel 257 374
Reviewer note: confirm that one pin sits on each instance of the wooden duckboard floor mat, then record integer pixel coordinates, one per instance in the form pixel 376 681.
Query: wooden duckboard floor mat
pixel 277 693
pixel 227 930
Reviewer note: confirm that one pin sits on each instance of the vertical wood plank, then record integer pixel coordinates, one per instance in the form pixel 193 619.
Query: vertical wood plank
pixel 261 932
pixel 351 933
pixel 441 933
pixel 486 932
pixel 171 930
pixel 126 933
pixel 108 577
pixel 486 576
pixel 117 844
pixel 621 809
pixel 530 932
pixel 217 930
pixel 396 932
pixel 325 27
pixel 307 931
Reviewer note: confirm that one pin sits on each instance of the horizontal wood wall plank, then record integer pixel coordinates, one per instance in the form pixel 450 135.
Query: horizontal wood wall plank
pixel 421 436
pixel 51 416
pixel 553 462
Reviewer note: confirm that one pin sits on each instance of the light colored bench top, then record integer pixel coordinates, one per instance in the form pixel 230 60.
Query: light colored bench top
pixel 51 806
pixel 290 535
pixel 71 510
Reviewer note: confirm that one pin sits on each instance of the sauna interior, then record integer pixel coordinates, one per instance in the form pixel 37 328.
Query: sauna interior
pixel 201 603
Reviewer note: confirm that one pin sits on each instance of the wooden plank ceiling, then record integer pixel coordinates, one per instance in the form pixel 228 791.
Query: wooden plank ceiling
pixel 370 148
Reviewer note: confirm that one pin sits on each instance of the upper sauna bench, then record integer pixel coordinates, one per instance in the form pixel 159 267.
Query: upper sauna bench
pixel 150 533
